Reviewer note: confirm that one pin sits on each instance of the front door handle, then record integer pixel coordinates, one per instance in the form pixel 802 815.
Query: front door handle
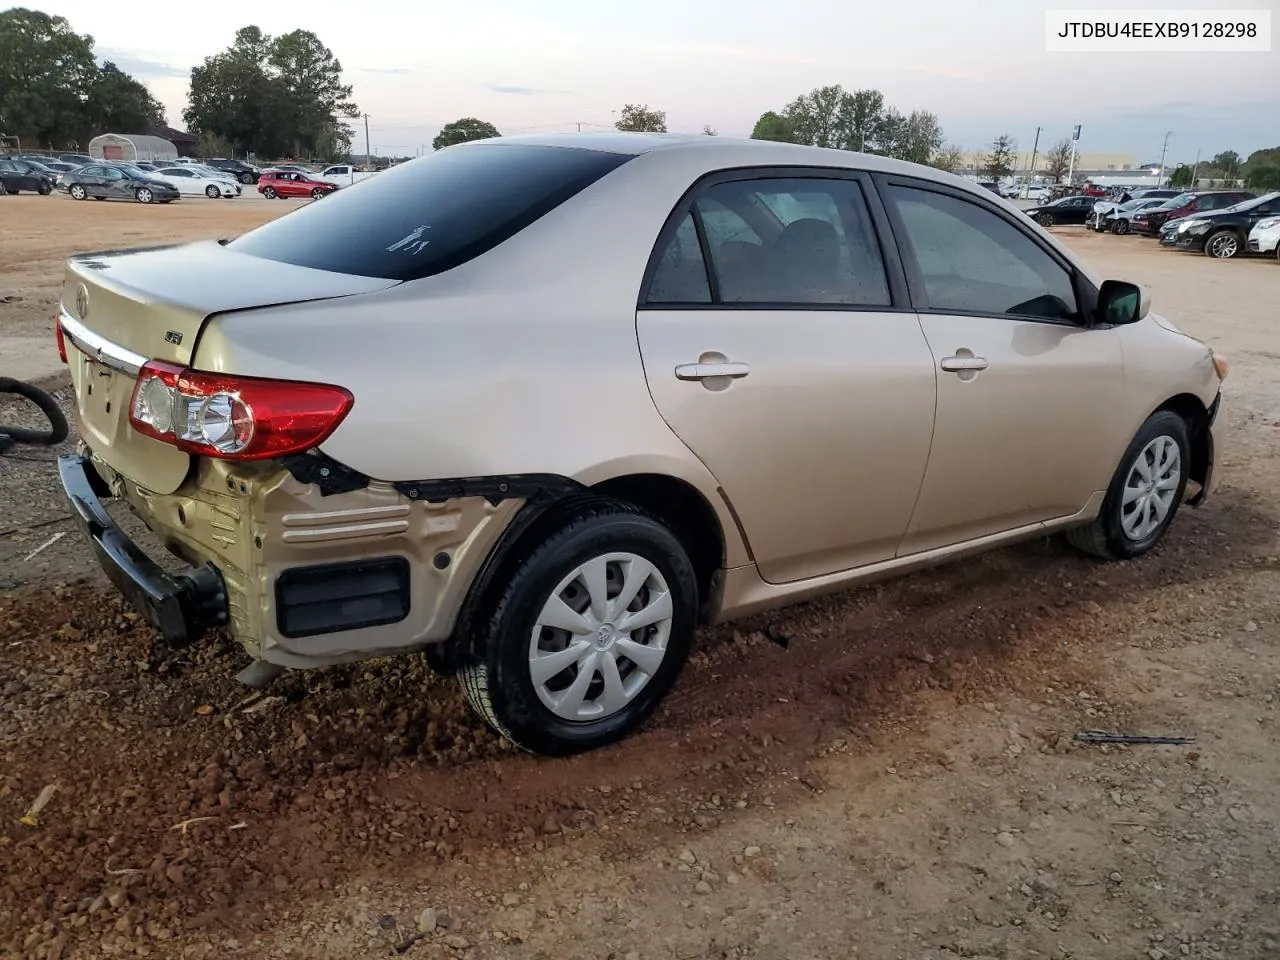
pixel 705 371
pixel 959 364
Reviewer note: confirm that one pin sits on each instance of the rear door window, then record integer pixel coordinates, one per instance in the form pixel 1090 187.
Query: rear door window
pixel 429 215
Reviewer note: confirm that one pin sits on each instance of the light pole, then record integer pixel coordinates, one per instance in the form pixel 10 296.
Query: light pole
pixel 1163 150
pixel 1031 167
pixel 367 158
pixel 1071 169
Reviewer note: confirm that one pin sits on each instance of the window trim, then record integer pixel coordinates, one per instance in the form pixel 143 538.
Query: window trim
pixel 899 299
pixel 1085 293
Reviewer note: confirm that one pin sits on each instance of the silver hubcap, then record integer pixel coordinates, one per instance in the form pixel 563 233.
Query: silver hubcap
pixel 144 196
pixel 1223 246
pixel 1150 488
pixel 601 637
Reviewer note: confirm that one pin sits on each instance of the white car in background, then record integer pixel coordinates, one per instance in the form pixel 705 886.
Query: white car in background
pixel 1265 236
pixel 194 182
pixel 343 174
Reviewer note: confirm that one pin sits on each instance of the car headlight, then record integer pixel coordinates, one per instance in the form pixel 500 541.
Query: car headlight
pixel 1186 225
pixel 1267 223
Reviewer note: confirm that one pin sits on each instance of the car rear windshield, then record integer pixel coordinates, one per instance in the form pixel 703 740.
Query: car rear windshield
pixel 432 214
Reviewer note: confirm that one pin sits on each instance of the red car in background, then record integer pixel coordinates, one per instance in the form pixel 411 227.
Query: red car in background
pixel 292 183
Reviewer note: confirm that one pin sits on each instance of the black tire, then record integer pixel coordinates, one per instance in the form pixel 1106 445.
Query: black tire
pixel 318 192
pixel 99 198
pixel 1120 227
pixel 46 188
pixel 1224 244
pixel 212 192
pixel 3 189
pixel 1106 537
pixel 143 195
pixel 1045 219
pixel 495 671
pixel 269 193
pixel 246 178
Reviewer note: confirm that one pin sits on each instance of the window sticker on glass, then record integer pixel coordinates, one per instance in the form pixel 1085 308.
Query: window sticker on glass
pixel 413 243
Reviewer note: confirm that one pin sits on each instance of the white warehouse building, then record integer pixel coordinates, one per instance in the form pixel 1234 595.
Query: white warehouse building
pixel 136 147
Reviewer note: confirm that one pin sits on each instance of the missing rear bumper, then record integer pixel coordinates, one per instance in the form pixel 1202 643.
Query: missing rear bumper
pixel 183 606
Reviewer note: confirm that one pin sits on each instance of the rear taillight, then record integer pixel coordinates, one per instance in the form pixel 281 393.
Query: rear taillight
pixel 234 418
pixel 62 340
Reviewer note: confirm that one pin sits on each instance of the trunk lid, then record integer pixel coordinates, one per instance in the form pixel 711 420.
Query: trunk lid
pixel 121 309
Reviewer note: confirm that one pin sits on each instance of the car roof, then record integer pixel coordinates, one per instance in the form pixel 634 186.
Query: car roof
pixel 717 152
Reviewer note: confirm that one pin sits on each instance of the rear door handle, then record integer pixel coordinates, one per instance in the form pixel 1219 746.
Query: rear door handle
pixel 957 364
pixel 705 371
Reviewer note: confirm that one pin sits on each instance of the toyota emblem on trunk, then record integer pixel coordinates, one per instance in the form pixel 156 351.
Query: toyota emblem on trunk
pixel 82 302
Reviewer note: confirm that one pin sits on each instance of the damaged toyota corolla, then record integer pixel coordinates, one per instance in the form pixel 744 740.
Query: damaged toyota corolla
pixel 539 406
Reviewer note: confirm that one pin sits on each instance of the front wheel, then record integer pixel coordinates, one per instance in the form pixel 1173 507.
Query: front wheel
pixel 1045 219
pixel 143 195
pixel 46 188
pixel 588 634
pixel 1144 494
pixel 212 192
pixel 269 193
pixel 78 192
pixel 1120 227
pixel 1223 245
pixel 318 192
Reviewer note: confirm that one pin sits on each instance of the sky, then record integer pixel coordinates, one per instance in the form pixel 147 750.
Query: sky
pixel 981 67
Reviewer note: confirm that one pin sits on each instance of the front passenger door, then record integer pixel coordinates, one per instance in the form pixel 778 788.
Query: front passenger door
pixel 1026 430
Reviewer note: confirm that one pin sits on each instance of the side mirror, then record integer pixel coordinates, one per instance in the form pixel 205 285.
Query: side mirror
pixel 1120 302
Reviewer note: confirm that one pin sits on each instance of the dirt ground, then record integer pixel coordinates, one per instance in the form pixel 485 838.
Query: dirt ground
pixel 889 773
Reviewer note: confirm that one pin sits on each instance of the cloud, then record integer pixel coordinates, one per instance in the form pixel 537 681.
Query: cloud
pixel 136 63
pixel 518 90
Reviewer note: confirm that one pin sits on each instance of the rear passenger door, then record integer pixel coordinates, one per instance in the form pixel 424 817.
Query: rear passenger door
pixel 779 345
pixel 1026 430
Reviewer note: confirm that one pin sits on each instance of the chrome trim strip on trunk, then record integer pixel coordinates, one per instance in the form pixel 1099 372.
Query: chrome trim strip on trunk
pixel 98 348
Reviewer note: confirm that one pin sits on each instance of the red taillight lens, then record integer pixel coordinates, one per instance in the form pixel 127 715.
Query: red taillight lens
pixel 62 340
pixel 234 418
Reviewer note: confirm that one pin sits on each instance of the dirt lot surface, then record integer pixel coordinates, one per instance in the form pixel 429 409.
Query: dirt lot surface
pixel 885 774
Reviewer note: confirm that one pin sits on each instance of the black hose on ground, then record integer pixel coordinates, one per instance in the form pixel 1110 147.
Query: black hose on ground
pixel 58 428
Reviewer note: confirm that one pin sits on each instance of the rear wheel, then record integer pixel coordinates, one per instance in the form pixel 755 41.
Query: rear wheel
pixel 1144 493
pixel 1224 245
pixel 3 189
pixel 588 634
pixel 246 178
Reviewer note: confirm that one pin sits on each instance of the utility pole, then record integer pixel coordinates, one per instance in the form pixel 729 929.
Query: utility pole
pixel 1071 170
pixel 1163 151
pixel 1031 167
pixel 367 158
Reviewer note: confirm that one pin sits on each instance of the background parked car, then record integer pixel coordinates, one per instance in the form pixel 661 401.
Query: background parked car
pixel 1265 236
pixel 1185 204
pixel 1067 210
pixel 190 180
pixel 244 172
pixel 117 181
pixel 77 158
pixel 1116 218
pixel 1225 233
pixel 19 175
pixel 292 183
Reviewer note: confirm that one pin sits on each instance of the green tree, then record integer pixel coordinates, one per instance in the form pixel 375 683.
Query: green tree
pixel 1264 178
pixel 862 115
pixel 916 138
pixel 46 73
pixel 950 158
pixel 1227 161
pixel 638 118
pixel 773 126
pixel 117 102
pixel 1269 157
pixel 272 96
pixel 1181 176
pixel 998 164
pixel 460 131
pixel 818 118
pixel 1057 160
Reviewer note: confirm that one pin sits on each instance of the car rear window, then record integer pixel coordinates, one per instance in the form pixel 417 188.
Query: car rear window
pixel 432 214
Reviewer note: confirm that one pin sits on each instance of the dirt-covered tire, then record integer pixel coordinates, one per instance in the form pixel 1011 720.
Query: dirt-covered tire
pixel 1144 493
pixel 559 668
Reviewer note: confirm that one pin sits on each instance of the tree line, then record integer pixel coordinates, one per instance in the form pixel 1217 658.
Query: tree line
pixel 53 91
